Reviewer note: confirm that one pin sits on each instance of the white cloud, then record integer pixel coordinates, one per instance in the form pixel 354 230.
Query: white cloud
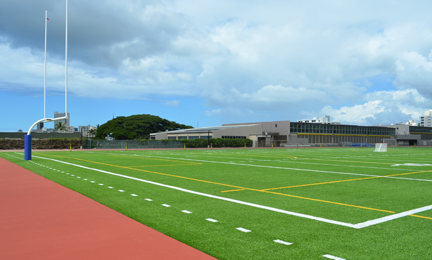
pixel 280 57
pixel 357 114
pixel 413 70
pixel 383 107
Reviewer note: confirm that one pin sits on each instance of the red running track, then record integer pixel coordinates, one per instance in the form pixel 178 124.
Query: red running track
pixel 40 219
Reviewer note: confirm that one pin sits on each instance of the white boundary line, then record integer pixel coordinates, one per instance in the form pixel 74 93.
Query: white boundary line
pixel 392 217
pixel 303 161
pixel 283 168
pixel 356 226
pixel 333 257
pixel 210 195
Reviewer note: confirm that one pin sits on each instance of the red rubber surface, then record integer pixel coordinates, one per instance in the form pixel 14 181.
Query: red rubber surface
pixel 40 219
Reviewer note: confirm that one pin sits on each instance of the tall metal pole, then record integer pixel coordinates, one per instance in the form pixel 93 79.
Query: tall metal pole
pixel 45 62
pixel 66 60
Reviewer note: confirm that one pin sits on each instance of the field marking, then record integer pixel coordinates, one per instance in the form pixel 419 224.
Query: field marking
pixel 331 182
pixel 392 217
pixel 357 226
pixel 211 196
pixel 156 159
pixel 186 211
pixel 232 190
pixel 148 199
pixel 333 257
pixel 282 242
pixel 288 168
pixel 418 216
pixel 233 186
pixel 244 230
pixel 412 164
pixel 320 183
pixel 331 201
pixel 161 165
pixel 212 220
pixel 166 205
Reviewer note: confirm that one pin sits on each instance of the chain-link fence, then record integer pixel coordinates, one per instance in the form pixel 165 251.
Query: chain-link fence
pixel 130 144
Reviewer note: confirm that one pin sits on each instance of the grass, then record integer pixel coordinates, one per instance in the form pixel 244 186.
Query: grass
pixel 345 185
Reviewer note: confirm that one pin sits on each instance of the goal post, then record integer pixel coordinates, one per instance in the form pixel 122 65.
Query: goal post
pixel 381 147
pixel 28 137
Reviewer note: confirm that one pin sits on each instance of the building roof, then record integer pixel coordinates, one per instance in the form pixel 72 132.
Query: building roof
pixel 204 129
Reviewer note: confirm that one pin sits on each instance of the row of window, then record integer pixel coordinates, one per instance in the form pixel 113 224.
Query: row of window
pixel 340 129
pixel 186 137
pixel 420 129
pixel 234 137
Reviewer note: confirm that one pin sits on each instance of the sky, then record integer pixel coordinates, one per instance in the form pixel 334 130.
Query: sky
pixel 213 62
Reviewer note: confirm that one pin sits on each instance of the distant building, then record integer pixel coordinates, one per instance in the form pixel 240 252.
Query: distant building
pixel 39 126
pixel 65 122
pixel 426 120
pixel 87 131
pixel 319 120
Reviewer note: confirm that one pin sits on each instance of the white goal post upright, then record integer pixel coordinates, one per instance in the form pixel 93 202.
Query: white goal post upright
pixel 28 138
pixel 381 147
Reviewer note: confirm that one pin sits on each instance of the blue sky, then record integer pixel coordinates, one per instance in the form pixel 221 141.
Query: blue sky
pixel 205 63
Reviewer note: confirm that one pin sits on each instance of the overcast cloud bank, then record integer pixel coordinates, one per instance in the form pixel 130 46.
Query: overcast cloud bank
pixel 279 60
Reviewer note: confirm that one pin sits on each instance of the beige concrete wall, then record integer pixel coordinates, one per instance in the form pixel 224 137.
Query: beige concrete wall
pixel 239 131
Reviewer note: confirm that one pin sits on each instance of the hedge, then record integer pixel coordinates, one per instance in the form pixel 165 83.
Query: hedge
pixel 216 142
pixel 51 143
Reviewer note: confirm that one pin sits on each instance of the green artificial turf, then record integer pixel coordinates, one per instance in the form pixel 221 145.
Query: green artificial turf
pixel 338 184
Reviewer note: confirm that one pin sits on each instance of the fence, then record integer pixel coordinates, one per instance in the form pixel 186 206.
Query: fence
pixel 130 144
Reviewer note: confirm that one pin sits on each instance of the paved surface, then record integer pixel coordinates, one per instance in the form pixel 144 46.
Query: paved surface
pixel 40 219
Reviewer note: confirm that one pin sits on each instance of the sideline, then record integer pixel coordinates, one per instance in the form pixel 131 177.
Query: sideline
pixel 356 226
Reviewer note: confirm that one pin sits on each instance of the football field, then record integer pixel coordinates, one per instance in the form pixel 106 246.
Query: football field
pixel 317 203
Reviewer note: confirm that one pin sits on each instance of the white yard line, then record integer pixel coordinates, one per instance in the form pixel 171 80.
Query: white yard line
pixel 243 230
pixel 287 168
pixel 333 257
pixel 392 217
pixel 212 196
pixel 282 242
pixel 356 226
pixel 303 162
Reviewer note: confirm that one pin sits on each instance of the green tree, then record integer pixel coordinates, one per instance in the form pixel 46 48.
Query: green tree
pixel 60 126
pixel 136 127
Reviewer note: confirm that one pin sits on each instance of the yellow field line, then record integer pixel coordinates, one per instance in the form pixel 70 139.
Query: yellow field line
pixel 228 185
pixel 232 190
pixel 326 201
pixel 166 174
pixel 418 216
pixel 165 165
pixel 398 174
pixel 320 183
pixel 330 182
pixel 144 158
